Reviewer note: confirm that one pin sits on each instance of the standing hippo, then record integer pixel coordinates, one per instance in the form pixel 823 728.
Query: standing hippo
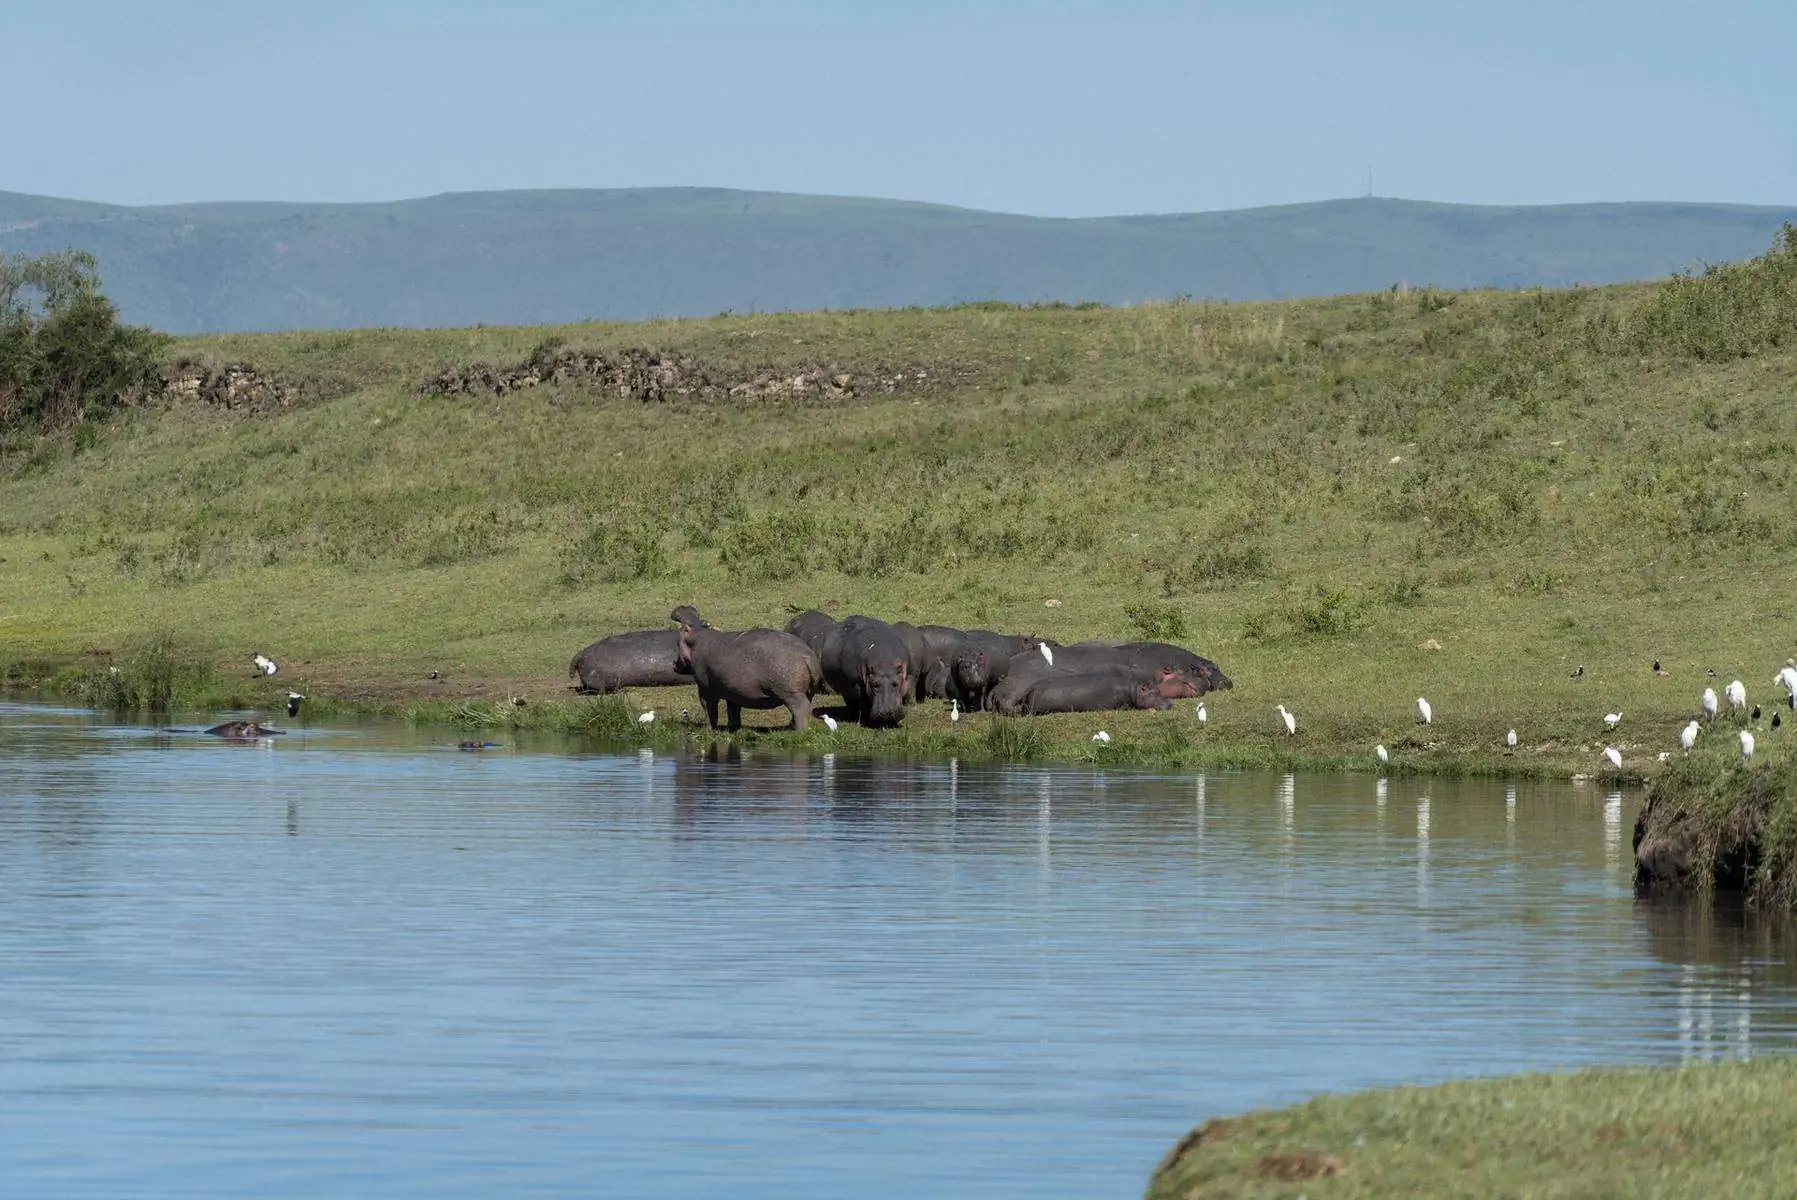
pixel 1095 691
pixel 812 628
pixel 757 668
pixel 867 663
pixel 648 658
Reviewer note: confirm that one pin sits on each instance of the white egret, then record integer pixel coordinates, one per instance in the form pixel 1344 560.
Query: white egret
pixel 829 722
pixel 647 718
pixel 1203 717
pixel 1612 720
pixel 1510 739
pixel 264 664
pixel 1291 722
pixel 1746 744
pixel 1614 756
pixel 1101 736
pixel 1047 653
pixel 1737 695
pixel 954 708
pixel 1380 754
pixel 1687 737
pixel 1709 702
pixel 1424 712
pixel 1787 679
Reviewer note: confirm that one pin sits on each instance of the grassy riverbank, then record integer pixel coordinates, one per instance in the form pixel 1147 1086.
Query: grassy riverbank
pixel 1713 1131
pixel 1347 503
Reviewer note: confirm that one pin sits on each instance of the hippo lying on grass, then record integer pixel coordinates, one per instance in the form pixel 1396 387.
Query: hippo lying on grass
pixel 1094 690
pixel 649 658
pixel 756 668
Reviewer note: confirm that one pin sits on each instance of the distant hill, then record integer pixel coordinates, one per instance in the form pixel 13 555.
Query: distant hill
pixel 552 256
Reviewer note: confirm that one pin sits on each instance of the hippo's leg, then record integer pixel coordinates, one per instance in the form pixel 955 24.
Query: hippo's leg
pixel 736 714
pixel 799 705
pixel 711 700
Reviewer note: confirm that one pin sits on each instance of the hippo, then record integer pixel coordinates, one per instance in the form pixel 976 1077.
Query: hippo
pixel 648 658
pixel 985 658
pixel 1201 671
pixel 244 730
pixel 867 663
pixel 756 668
pixel 1144 658
pixel 812 628
pixel 1095 691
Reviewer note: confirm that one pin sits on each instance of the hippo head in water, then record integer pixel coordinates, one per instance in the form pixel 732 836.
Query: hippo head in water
pixel 886 684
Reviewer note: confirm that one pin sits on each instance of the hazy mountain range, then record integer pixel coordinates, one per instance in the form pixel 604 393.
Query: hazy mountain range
pixel 530 257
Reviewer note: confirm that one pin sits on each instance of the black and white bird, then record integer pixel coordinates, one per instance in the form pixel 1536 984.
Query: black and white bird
pixel 1658 669
pixel 1776 722
pixel 264 664
pixel 1580 673
pixel 293 703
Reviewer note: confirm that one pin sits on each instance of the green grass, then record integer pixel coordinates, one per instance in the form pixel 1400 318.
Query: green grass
pixel 1571 486
pixel 1713 1131
pixel 1736 820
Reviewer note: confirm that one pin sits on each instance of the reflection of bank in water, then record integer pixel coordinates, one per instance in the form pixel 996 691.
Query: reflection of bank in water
pixel 1732 976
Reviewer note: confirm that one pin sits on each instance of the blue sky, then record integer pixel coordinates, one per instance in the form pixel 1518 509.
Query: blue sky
pixel 1053 107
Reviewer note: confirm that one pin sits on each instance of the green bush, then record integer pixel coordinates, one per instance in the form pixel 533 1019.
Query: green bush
pixel 1156 622
pixel 64 355
pixel 615 550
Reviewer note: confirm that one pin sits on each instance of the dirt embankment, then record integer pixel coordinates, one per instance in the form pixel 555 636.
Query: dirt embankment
pixel 660 375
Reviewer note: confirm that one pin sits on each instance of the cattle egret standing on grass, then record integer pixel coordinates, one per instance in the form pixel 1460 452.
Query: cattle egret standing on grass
pixel 1614 755
pixel 647 718
pixel 1101 736
pixel 1612 720
pixel 1424 712
pixel 1709 702
pixel 1746 744
pixel 1203 717
pixel 1291 722
pixel 829 722
pixel 1737 695
pixel 954 708
pixel 1510 739
pixel 1047 654
pixel 1380 754
pixel 1687 737
pixel 264 664
pixel 1787 679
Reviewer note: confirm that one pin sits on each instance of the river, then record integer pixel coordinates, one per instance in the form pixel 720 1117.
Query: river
pixel 355 961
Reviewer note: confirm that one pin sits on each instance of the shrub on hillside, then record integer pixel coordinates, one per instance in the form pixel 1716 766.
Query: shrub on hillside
pixel 64 354
pixel 1730 310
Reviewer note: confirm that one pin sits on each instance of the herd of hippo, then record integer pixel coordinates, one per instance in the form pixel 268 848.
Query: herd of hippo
pixel 879 667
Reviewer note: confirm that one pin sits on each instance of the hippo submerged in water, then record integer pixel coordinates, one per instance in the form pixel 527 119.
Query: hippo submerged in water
pixel 243 730
pixel 648 658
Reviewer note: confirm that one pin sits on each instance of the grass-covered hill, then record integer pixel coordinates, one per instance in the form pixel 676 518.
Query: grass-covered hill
pixel 1347 502
pixel 518 258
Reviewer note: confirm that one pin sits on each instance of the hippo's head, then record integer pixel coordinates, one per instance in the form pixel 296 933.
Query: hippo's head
pixel 1149 695
pixel 683 659
pixel 970 669
pixel 686 614
pixel 886 684
pixel 1175 686
pixel 1214 679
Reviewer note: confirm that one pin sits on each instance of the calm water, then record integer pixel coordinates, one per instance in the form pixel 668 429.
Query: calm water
pixel 357 962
